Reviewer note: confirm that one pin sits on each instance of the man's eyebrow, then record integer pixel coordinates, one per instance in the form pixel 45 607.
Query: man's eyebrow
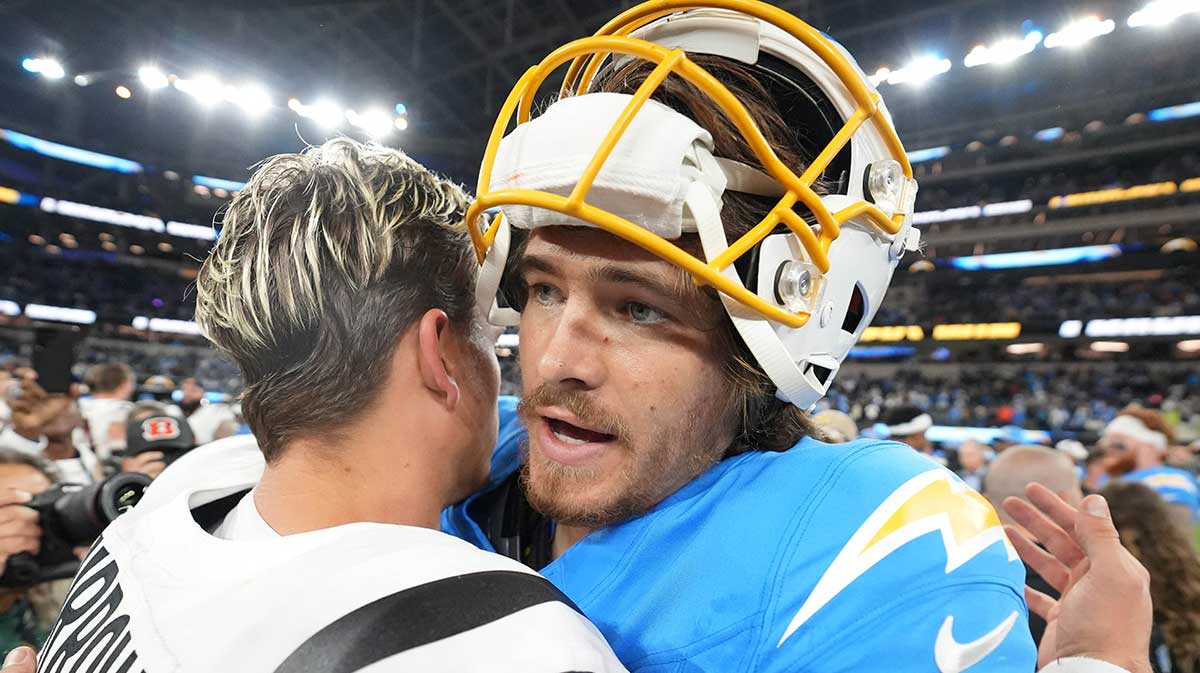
pixel 624 276
pixel 536 263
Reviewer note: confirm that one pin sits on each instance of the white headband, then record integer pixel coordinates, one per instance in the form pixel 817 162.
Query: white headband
pixel 646 177
pixel 919 424
pixel 1132 427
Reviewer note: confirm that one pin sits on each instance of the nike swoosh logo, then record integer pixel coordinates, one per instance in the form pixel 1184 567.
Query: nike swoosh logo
pixel 955 657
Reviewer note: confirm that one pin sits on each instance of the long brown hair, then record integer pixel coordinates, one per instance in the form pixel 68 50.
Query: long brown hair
pixel 1151 535
pixel 765 423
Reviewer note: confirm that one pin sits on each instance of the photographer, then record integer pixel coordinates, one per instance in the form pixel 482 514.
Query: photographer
pixel 21 477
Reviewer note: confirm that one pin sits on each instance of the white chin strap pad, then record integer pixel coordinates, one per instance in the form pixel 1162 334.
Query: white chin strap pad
pixel 755 330
pixel 644 180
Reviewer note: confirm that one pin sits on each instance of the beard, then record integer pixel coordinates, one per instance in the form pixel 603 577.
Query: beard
pixel 650 467
pixel 1119 464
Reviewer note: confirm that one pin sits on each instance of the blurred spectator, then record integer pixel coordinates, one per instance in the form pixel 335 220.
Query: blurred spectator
pixel 104 412
pixel 908 425
pixel 1095 472
pixel 1008 476
pixel 1184 458
pixel 1144 523
pixel 973 463
pixel 1073 449
pixel 1058 399
pixel 1135 443
pixel 836 426
pixel 21 476
pixel 67 446
pixel 1009 435
pixel 210 421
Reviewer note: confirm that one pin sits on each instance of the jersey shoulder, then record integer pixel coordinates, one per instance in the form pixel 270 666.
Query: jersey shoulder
pixel 879 528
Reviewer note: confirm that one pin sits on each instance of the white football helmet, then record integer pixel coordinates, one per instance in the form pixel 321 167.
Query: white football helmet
pixel 802 294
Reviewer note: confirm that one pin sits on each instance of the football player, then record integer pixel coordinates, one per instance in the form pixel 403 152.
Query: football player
pixel 691 239
pixel 342 285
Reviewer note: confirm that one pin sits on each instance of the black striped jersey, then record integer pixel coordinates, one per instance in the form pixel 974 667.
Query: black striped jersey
pixel 159 593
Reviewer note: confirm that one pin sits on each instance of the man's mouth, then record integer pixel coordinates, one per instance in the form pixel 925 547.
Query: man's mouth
pixel 573 434
pixel 570 442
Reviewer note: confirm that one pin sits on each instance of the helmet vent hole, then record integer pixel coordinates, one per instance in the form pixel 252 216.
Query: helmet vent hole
pixel 818 373
pixel 856 311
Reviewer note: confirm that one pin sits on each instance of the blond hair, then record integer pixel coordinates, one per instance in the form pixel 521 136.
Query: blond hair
pixel 325 259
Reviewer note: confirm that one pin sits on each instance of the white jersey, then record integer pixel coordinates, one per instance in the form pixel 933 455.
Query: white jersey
pixel 208 419
pixel 159 593
pixel 105 420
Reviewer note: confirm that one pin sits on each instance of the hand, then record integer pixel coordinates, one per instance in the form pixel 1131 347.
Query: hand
pixel 1104 611
pixel 149 463
pixel 36 409
pixel 19 529
pixel 21 660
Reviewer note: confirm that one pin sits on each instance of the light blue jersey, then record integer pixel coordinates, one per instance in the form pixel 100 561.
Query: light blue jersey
pixel 1176 486
pixel 851 557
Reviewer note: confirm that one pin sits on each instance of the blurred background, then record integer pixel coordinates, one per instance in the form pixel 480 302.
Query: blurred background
pixel 1057 146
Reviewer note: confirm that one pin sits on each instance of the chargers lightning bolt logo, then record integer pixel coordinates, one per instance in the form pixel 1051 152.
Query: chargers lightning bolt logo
pixel 933 501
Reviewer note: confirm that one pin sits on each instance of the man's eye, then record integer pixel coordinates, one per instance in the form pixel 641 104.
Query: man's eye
pixel 542 293
pixel 641 313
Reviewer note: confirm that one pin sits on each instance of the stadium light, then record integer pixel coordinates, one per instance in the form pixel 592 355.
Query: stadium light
pixel 880 76
pixel 68 153
pixel 920 70
pixel 46 67
pixel 206 89
pixel 1162 12
pixel 1110 346
pixel 123 91
pixel 152 78
pixel 1166 114
pixel 1004 51
pixel 218 183
pixel 928 154
pixel 1025 348
pixel 1080 32
pixel 1050 135
pixel 324 113
pixel 374 122
pixel 1189 346
pixel 251 98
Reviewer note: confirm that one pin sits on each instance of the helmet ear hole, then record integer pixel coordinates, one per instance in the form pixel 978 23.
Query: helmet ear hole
pixel 818 374
pixel 856 311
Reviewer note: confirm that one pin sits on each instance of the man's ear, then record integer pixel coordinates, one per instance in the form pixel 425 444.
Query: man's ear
pixel 433 346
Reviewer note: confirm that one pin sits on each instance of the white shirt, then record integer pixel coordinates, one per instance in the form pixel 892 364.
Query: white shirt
pixel 101 414
pixel 206 420
pixel 245 523
pixel 159 593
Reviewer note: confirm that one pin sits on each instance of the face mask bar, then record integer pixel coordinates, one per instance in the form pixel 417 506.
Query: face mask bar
pixel 612 39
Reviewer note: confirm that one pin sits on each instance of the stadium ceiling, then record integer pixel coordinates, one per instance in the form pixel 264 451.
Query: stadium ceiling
pixel 451 62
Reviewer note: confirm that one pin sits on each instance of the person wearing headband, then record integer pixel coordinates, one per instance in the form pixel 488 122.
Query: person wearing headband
pixel 908 425
pixel 1135 444
pixel 691 239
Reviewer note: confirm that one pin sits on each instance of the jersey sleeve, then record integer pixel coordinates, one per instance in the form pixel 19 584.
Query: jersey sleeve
pixel 946 629
pixel 899 566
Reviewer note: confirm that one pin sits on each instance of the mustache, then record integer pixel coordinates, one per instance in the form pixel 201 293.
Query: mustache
pixel 583 408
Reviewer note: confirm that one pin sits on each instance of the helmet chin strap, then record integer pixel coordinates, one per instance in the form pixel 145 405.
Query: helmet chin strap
pixel 760 337
pixel 487 281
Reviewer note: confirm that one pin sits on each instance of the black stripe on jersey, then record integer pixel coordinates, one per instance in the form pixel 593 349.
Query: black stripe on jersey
pixel 419 616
